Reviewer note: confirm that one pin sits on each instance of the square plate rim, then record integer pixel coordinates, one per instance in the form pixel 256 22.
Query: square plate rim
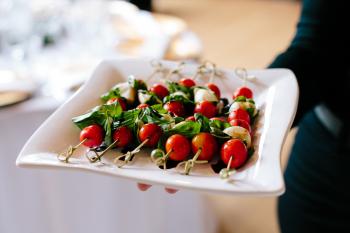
pixel 21 162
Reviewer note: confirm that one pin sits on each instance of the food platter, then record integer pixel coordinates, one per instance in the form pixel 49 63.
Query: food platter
pixel 276 97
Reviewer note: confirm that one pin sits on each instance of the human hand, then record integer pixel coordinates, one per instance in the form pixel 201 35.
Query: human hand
pixel 144 187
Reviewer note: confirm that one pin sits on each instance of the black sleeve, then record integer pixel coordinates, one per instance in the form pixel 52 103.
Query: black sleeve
pixel 143 4
pixel 319 55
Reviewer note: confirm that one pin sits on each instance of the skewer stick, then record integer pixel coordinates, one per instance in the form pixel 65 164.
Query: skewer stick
pixel 226 172
pixel 65 156
pixel 162 160
pixel 176 71
pixel 129 155
pixel 97 157
pixel 189 164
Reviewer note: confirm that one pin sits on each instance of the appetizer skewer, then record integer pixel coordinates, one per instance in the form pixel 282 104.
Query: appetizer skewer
pixel 91 136
pixel 181 121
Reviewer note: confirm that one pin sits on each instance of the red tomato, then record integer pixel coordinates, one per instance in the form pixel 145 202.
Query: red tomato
pixel 187 82
pixel 140 106
pixel 124 136
pixel 206 108
pixel 243 91
pixel 242 123
pixel 190 118
pixel 179 146
pixel 239 114
pixel 175 107
pixel 160 90
pixel 207 143
pixel 236 149
pixel 152 132
pixel 93 134
pixel 215 89
pixel 120 101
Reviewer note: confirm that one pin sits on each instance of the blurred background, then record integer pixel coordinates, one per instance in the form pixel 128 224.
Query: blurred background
pixel 49 48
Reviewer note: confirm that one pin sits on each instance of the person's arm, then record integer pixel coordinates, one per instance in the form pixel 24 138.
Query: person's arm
pixel 143 4
pixel 319 55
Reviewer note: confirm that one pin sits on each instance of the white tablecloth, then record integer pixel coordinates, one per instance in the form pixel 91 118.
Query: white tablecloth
pixel 43 201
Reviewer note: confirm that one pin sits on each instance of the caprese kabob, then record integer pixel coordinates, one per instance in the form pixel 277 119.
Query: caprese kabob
pixel 182 122
pixel 230 130
pixel 97 130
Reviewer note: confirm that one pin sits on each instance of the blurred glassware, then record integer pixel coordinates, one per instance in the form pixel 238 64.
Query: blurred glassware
pixel 48 22
pixel 15 28
pixel 8 98
pixel 14 88
pixel 58 43
pixel 184 44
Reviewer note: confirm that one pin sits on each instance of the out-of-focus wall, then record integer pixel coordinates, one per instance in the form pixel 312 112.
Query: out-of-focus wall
pixel 235 33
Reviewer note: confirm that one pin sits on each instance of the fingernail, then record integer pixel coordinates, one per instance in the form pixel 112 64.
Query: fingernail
pixel 143 187
pixel 170 190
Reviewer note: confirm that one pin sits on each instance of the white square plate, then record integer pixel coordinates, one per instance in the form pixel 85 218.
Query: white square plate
pixel 276 96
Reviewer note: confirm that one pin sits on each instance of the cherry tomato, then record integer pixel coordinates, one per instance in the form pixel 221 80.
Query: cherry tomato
pixel 236 149
pixel 218 119
pixel 93 134
pixel 243 91
pixel 215 89
pixel 239 114
pixel 190 118
pixel 206 108
pixel 175 107
pixel 207 143
pixel 160 90
pixel 179 146
pixel 140 106
pixel 120 101
pixel 152 132
pixel 242 123
pixel 124 136
pixel 187 82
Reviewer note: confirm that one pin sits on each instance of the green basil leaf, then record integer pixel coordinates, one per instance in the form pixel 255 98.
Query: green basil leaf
pixel 89 118
pixel 102 115
pixel 203 121
pixel 218 133
pixel 215 123
pixel 251 151
pixel 250 112
pixel 113 93
pixel 129 119
pixel 159 108
pixel 107 125
pixel 152 116
pixel 138 84
pixel 217 127
pixel 161 143
pixel 253 119
pixel 219 124
pixel 240 98
pixel 136 117
pixel 186 128
pixel 174 87
pixel 251 101
pixel 179 98
pixel 178 119
pixel 98 115
pixel 113 110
